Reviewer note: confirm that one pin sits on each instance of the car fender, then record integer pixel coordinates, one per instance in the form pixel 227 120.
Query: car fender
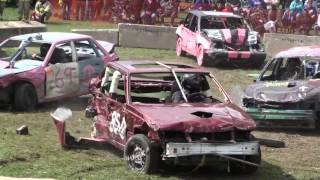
pixel 203 41
pixel 179 30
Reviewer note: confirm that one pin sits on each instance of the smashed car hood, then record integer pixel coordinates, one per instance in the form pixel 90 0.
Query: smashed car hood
pixel 230 36
pixel 195 117
pixel 283 91
pixel 19 66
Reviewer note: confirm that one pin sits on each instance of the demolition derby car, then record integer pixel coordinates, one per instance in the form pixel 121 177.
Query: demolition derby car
pixel 219 37
pixel 41 67
pixel 286 93
pixel 170 113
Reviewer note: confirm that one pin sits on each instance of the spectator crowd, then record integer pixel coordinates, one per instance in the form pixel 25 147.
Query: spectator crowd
pixel 264 15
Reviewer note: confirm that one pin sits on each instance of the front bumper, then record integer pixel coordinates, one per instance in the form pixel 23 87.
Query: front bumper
pixel 282 117
pixel 236 55
pixel 193 149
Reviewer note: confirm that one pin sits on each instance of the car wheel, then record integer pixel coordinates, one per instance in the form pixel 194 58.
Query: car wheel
pixel 317 124
pixel 200 55
pixel 317 121
pixel 258 64
pixel 141 155
pixel 179 50
pixel 241 168
pixel 25 98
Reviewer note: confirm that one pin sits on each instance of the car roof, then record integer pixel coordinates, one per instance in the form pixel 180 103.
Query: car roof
pixel 214 13
pixel 50 37
pixel 301 51
pixel 146 66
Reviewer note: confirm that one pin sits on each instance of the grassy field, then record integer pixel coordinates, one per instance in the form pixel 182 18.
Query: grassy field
pixel 39 154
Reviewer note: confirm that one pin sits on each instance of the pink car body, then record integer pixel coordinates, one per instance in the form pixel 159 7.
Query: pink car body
pixel 70 61
pixel 217 37
pixel 132 109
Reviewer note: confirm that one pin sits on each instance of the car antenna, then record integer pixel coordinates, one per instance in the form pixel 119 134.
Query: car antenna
pixel 176 78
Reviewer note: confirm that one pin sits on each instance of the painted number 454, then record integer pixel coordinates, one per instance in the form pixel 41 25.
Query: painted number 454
pixel 117 127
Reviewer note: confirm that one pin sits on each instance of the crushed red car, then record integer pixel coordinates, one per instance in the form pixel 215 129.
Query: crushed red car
pixel 219 37
pixel 42 67
pixel 165 112
pixel 286 93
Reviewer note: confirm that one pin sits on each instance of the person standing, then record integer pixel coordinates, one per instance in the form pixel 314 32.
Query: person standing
pixel 42 11
pixel 150 12
pixel 295 8
pixel 169 8
pixel 66 8
pixel 2 6
pixel 23 9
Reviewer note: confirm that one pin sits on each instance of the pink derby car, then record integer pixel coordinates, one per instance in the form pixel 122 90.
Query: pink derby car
pixel 219 37
pixel 42 67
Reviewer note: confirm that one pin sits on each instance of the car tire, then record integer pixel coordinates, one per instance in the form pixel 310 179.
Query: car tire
pixel 200 55
pixel 317 121
pixel 241 168
pixel 141 155
pixel 179 50
pixel 258 64
pixel 25 97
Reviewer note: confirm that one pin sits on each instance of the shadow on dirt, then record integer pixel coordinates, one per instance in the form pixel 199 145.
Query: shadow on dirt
pixel 75 104
pixel 302 132
pixel 85 144
pixel 231 65
pixel 266 171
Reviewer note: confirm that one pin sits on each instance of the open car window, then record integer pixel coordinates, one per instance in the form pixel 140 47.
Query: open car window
pixel 188 20
pixel 62 53
pixel 163 88
pixel 292 68
pixel 112 85
pixel 85 50
pixel 311 68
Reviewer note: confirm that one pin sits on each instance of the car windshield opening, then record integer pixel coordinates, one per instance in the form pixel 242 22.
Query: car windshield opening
pixel 212 22
pixel 292 68
pixel 163 88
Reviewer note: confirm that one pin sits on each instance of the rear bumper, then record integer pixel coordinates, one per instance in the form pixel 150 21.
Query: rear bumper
pixel 288 118
pixel 194 149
